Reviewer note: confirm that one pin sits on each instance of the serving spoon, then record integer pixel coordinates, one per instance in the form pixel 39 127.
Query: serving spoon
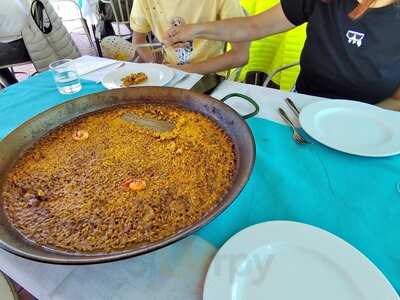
pixel 149 123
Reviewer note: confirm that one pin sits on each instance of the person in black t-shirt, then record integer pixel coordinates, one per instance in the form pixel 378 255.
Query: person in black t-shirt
pixel 352 50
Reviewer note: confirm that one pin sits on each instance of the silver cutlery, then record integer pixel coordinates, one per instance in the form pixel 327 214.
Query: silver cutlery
pixel 296 135
pixel 293 107
pixel 149 123
pixel 116 66
pixel 147 45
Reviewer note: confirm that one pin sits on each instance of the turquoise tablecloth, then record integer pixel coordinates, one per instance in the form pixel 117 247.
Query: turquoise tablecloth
pixel 356 198
pixel 21 102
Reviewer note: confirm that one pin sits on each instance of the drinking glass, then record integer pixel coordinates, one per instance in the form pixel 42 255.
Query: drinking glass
pixel 66 77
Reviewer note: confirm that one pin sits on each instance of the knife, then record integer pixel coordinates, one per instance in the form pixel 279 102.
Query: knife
pixel 293 107
pixel 149 123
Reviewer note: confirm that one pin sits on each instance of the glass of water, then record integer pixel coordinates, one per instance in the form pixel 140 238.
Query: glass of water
pixel 66 77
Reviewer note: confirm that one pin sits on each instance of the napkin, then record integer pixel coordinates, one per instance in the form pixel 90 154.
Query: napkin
pixel 88 64
pixel 178 77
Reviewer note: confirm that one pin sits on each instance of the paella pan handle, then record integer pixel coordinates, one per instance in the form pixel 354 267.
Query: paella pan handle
pixel 248 99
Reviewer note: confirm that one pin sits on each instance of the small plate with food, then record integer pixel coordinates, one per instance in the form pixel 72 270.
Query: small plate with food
pixel 131 75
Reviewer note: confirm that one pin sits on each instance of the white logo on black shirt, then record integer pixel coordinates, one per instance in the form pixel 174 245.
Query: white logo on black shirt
pixel 355 38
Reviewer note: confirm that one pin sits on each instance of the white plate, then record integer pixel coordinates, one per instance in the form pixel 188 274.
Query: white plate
pixel 353 127
pixel 292 261
pixel 158 75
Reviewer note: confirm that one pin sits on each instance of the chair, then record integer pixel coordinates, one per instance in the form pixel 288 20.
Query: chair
pixel 271 53
pixel 118 48
pixel 11 55
pixel 74 14
pixel 277 71
pixel 7 74
pixel 121 10
pixel 6 78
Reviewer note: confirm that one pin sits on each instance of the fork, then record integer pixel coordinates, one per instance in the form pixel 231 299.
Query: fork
pixel 296 135
pixel 116 66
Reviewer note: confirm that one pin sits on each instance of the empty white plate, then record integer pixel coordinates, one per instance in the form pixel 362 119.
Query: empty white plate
pixel 353 127
pixel 286 261
pixel 158 75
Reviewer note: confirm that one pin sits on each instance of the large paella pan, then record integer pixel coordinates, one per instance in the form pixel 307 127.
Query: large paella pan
pixel 15 238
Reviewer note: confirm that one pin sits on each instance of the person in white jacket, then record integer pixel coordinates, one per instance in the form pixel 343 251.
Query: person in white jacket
pixel 44 37
pixel 13 18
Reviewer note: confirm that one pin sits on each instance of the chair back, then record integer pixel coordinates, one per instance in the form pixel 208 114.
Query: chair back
pixel 117 48
pixel 121 9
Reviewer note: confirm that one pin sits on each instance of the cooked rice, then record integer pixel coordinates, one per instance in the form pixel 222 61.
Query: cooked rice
pixel 73 194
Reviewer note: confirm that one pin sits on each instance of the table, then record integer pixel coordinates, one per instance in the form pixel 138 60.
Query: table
pixel 309 184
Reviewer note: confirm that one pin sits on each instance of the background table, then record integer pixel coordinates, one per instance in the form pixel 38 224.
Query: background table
pixel 355 198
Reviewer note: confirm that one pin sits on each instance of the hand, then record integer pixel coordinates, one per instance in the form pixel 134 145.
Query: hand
pixel 176 36
pixel 390 104
pixel 397 94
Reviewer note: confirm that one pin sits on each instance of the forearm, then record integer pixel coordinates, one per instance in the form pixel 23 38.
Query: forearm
pixel 245 29
pixel 393 103
pixel 237 57
pixel 145 54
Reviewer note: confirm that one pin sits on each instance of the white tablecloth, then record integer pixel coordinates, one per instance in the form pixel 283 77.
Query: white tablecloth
pixel 176 272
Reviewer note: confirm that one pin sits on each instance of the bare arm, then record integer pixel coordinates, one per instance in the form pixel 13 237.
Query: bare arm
pixel 245 29
pixel 238 56
pixel 393 103
pixel 145 54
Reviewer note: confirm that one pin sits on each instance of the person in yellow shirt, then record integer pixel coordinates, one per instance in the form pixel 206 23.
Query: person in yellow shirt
pixel 198 56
